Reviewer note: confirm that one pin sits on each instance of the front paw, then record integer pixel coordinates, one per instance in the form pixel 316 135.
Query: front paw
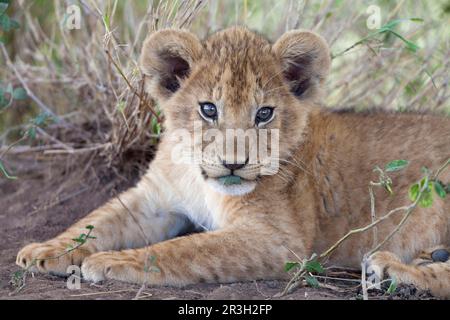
pixel 112 265
pixel 49 257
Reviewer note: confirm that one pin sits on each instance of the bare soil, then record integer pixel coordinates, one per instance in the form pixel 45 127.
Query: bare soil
pixel 48 197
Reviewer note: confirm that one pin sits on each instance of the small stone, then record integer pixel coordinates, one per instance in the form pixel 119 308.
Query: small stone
pixel 440 255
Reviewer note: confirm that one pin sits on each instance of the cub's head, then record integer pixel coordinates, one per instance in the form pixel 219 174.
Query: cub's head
pixel 236 103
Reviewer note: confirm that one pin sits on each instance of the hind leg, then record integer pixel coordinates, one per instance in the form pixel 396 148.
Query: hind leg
pixel 429 271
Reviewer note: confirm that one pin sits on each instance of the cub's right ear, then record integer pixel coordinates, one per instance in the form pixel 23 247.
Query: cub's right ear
pixel 305 60
pixel 167 58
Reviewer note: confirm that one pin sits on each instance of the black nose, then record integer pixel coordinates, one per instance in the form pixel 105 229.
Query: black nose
pixel 233 166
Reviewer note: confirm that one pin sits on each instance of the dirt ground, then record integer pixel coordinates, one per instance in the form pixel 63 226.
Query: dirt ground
pixel 43 201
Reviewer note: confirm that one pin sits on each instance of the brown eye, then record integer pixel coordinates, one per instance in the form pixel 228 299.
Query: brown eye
pixel 208 110
pixel 264 114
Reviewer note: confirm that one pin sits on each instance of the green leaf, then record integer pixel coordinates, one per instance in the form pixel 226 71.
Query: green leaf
pixel 89 227
pixel 18 274
pixel 426 199
pixel 152 268
pixel 19 94
pixel 414 192
pixel 3 7
pixel 440 189
pixel 121 106
pixel 392 24
pixel 290 265
pixel 409 45
pixel 312 281
pixel 14 24
pixel 396 165
pixel 230 180
pixel 81 238
pixel 7 24
pixel 392 286
pixel 106 20
pixel 424 184
pixel 5 172
pixel 32 132
pixel 156 126
pixel 78 240
pixel 314 266
pixel 42 119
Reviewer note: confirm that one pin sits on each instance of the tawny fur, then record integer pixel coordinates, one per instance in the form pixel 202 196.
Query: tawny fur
pixel 319 194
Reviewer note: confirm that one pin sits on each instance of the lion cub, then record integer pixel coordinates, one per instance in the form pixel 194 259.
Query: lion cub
pixel 304 187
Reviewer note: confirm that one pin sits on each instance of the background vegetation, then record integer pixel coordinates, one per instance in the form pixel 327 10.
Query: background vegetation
pixel 76 95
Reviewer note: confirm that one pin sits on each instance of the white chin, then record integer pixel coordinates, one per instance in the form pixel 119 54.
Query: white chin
pixel 234 189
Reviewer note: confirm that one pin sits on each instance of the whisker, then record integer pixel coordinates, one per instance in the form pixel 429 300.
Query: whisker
pixel 297 165
pixel 273 77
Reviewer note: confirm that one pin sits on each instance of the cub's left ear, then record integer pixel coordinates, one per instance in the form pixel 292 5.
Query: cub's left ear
pixel 305 59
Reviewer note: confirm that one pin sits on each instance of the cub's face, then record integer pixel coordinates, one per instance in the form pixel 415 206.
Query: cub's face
pixel 235 104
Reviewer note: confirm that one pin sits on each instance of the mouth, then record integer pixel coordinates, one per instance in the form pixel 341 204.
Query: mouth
pixel 230 179
pixel 232 185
